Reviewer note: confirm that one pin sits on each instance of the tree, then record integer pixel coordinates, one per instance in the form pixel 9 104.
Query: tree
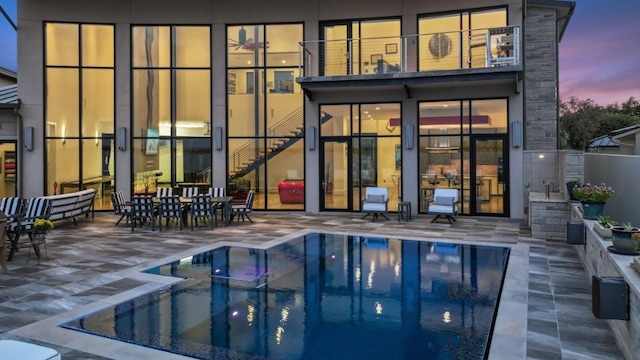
pixel 609 122
pixel 579 122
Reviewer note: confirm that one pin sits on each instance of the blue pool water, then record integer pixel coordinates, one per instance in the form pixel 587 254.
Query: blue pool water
pixel 319 296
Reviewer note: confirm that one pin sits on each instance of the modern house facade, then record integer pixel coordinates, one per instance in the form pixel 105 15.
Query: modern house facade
pixel 307 103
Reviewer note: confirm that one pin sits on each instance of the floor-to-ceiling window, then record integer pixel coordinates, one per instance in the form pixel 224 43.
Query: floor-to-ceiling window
pixel 458 40
pixel 79 102
pixel 352 47
pixel 360 147
pixel 463 146
pixel 171 107
pixel 265 115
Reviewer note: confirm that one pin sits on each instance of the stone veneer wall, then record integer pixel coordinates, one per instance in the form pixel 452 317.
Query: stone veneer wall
pixel 541 79
pixel 571 167
pixel 548 217
pixel 597 260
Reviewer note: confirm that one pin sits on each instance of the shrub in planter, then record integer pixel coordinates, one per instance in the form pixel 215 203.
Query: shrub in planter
pixel 603 225
pixel 625 237
pixel 570 185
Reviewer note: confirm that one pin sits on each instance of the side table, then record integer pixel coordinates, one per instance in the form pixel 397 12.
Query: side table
pixel 404 210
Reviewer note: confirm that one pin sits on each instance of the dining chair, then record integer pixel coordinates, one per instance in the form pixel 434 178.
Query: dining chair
pixel 244 209
pixel 202 208
pixel 164 191
pixel 217 192
pixel 189 192
pixel 36 208
pixel 121 206
pixel 170 208
pixel 142 210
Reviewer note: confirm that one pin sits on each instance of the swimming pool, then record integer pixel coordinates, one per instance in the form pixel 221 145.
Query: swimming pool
pixel 318 296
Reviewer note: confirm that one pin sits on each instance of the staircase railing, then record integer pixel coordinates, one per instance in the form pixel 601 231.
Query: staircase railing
pixel 290 127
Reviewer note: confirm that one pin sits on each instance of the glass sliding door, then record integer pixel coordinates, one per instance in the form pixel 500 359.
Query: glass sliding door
pixel 334 174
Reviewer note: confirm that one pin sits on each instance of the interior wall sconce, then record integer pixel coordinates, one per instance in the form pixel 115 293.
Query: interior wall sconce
pixel 64 135
pixel 218 137
pixel 516 134
pixel 121 137
pixel 408 136
pixel 28 138
pixel 311 137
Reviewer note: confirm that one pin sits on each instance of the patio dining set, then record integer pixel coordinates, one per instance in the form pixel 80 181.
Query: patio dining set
pixel 185 209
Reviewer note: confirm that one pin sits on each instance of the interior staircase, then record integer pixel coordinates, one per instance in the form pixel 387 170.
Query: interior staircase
pixel 280 136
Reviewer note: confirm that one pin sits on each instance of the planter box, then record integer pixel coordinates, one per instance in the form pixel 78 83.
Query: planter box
pixel 602 231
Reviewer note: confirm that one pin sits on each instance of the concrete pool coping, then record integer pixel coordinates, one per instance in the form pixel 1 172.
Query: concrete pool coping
pixel 509 340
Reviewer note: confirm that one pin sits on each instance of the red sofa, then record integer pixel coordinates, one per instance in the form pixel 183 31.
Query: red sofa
pixel 291 191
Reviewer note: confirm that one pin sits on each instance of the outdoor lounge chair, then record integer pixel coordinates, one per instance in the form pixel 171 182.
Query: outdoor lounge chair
pixel 375 202
pixel 444 204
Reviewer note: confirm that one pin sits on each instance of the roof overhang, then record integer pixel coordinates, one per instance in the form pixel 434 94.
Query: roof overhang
pixel 564 11
pixel 409 81
pixel 9 97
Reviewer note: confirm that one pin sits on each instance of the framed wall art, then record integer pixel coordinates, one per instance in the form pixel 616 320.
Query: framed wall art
pixel 391 48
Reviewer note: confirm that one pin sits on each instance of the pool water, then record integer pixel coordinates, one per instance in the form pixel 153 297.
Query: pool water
pixel 318 296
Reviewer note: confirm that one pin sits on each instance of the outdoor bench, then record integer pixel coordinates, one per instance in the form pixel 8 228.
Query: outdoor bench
pixel 72 205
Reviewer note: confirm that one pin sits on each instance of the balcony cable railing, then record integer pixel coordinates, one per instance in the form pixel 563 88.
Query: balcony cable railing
pixel 453 50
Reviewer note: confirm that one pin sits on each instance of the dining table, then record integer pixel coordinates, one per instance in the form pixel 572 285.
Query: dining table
pixel 225 202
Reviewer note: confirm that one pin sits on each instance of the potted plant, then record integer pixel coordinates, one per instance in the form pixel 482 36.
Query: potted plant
pixel 603 225
pixel 593 198
pixel 239 188
pixel 42 226
pixel 570 185
pixel 625 238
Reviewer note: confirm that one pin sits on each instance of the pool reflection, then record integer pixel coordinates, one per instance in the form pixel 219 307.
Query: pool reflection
pixel 319 296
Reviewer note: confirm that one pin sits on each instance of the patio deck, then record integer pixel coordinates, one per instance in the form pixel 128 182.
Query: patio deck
pixel 93 261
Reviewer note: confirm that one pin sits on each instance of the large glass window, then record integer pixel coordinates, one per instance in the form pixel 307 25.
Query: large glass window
pixel 446 131
pixel 360 47
pixel 361 148
pixel 265 115
pixel 79 117
pixel 171 110
pixel 457 40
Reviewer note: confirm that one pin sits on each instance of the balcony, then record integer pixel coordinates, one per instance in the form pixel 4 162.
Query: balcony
pixel 412 61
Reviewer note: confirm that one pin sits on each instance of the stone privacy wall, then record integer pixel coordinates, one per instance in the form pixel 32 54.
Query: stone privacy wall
pixel 597 260
pixel 541 80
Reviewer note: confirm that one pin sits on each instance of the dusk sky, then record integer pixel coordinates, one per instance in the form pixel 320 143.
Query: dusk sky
pixel 599 53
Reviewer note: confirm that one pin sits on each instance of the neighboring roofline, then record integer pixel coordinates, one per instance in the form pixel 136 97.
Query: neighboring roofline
pixel 564 10
pixel 8 73
pixel 625 131
pixel 603 141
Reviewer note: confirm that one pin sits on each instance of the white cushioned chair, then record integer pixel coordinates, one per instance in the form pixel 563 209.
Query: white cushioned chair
pixel 375 202
pixel 444 204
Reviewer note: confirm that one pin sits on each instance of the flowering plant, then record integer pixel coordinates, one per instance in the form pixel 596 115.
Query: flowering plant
pixel 42 226
pixel 595 193
pixel 636 236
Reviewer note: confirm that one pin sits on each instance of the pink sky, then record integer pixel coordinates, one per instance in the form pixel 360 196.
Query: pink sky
pixel 599 53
